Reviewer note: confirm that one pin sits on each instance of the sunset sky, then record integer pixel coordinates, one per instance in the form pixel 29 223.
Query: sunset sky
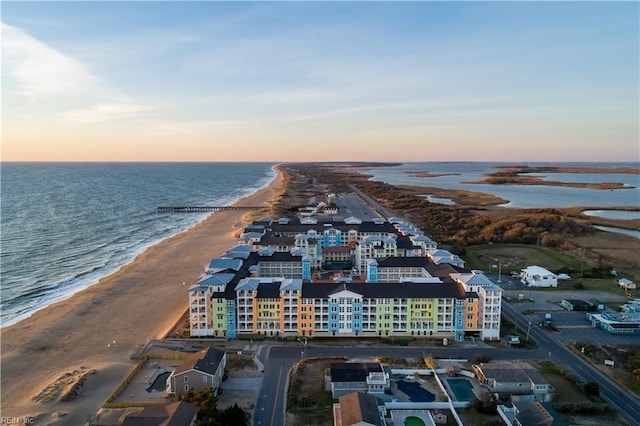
pixel 314 81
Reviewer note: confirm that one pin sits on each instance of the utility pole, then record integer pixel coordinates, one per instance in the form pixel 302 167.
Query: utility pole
pixel 528 330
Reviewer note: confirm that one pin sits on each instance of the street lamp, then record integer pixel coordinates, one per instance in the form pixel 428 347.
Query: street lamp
pixel 306 340
pixel 499 270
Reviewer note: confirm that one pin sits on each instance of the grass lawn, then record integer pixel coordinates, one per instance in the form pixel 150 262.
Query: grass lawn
pixel 565 390
pixel 307 401
pixel 515 257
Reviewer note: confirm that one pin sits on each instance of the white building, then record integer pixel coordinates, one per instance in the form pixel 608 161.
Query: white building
pixel 536 276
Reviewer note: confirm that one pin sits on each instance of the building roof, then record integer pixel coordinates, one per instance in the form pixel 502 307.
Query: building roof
pixel 405 262
pixel 538 414
pixel 219 265
pixel 512 372
pixel 215 279
pixel 386 290
pixel 353 371
pixel 537 270
pixel 176 414
pixel 206 361
pixel 472 278
pixel 357 407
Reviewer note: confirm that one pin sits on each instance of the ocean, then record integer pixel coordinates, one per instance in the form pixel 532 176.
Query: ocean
pixel 66 225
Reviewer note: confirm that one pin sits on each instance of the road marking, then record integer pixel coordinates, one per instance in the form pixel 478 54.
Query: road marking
pixel 275 401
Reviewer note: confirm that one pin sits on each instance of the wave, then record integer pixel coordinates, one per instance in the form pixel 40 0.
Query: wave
pixel 21 305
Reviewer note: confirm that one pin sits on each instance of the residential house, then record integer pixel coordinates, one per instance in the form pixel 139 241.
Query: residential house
pixel 536 276
pixel 199 371
pixel 358 409
pixel 530 414
pixel 176 414
pixel 627 284
pixel 366 377
pixel 516 381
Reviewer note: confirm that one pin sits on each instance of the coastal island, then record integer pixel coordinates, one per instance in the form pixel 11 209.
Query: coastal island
pixel 427 173
pixel 516 175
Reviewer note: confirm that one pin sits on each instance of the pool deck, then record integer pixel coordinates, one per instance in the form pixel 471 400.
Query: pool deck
pixel 136 390
pixel 398 417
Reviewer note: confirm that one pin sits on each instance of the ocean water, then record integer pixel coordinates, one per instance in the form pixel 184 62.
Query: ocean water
pixel 459 174
pixel 66 225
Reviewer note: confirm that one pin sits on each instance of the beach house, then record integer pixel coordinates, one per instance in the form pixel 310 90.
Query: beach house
pixel 199 371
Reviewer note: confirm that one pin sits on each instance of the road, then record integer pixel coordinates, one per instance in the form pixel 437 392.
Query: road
pixel 626 404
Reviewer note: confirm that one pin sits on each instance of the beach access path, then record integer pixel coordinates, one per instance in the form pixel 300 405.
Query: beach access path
pixel 99 328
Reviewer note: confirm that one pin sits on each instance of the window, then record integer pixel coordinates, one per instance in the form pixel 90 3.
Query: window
pixel 186 379
pixel 186 387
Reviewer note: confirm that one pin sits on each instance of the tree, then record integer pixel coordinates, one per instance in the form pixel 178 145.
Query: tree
pixel 234 416
pixel 481 358
pixel 592 389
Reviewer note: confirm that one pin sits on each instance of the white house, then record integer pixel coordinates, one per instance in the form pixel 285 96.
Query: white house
pixel 626 284
pixel 536 276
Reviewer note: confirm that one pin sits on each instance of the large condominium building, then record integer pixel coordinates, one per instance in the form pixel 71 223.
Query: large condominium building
pixel 387 284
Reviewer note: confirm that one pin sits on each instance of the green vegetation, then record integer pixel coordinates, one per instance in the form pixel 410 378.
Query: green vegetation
pixel 239 362
pixel 625 356
pixel 306 397
pixel 515 257
pixel 210 415
pixel 481 358
pixel 470 223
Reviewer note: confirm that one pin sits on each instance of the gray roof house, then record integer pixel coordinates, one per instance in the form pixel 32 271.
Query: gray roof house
pixel 199 371
pixel 517 381
pixel 176 414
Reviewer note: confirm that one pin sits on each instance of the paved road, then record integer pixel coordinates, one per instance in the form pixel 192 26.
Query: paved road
pixel 626 404
pixel 382 211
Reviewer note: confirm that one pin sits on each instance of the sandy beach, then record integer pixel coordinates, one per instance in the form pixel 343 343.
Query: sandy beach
pixel 140 302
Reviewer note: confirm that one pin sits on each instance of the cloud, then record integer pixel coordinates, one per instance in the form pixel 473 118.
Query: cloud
pixel 39 70
pixel 107 112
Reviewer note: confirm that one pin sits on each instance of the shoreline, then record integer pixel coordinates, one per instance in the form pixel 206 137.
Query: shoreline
pixel 68 293
pixel 99 327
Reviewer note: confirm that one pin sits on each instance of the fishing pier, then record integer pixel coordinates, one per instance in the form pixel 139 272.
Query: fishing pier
pixel 203 209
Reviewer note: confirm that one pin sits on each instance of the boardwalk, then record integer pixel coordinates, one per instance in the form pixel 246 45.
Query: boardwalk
pixel 203 209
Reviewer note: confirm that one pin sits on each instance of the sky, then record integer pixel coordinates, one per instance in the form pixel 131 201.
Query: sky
pixel 320 81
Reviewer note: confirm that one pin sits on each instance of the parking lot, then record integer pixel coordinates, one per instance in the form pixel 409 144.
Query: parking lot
pixel 569 326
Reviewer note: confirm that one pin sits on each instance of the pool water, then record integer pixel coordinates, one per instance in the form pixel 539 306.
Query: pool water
pixel 413 421
pixel 415 392
pixel 160 383
pixel 462 389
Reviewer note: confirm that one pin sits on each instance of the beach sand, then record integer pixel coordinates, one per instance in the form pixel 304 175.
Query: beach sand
pixel 140 302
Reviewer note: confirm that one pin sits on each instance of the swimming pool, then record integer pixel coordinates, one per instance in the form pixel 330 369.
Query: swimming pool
pixel 415 392
pixel 413 421
pixel 462 389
